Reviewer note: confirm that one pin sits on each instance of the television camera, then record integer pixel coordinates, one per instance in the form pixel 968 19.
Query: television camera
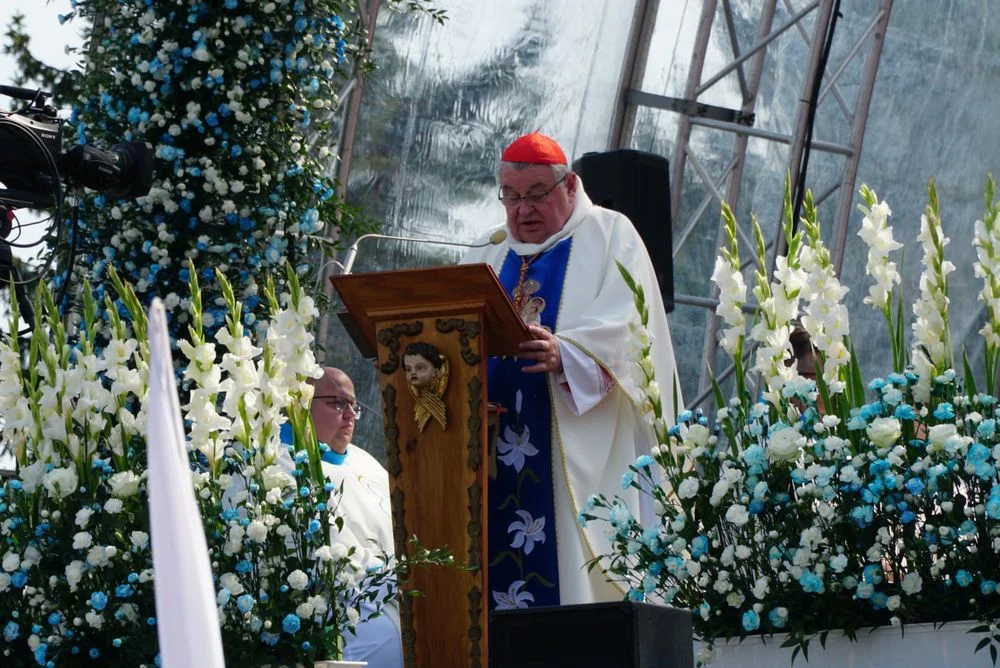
pixel 33 169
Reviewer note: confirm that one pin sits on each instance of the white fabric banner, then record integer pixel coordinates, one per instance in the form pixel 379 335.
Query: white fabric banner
pixel 187 621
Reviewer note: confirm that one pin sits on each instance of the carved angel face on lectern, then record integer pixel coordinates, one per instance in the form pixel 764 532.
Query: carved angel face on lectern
pixel 426 372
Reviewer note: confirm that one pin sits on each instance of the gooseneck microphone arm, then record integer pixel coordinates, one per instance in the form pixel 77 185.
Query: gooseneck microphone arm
pixel 352 252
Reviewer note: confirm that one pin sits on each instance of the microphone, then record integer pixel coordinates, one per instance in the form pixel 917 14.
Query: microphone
pixel 352 252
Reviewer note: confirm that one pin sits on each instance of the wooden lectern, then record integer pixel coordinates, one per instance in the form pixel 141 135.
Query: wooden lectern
pixel 434 404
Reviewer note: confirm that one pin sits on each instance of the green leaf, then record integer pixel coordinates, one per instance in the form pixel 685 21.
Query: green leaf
pixel 970 379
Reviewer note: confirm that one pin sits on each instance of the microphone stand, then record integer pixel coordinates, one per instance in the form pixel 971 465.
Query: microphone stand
pixel 352 252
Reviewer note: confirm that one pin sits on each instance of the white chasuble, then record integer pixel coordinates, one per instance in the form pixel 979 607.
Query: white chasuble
pixel 597 427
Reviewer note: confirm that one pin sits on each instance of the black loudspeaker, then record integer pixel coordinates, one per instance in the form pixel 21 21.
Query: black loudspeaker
pixel 636 184
pixel 596 635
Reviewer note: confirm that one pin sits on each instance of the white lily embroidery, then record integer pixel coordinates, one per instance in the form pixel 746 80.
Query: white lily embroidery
pixel 527 532
pixel 514 447
pixel 514 597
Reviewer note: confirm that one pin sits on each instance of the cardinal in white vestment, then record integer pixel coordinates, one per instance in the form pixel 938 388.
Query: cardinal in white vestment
pixel 571 428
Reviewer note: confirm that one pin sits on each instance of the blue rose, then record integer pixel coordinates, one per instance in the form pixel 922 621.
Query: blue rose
pixel 291 624
pixel 245 603
pixel 98 600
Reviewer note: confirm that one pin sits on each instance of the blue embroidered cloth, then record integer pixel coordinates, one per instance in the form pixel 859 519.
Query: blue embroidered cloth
pixel 523 564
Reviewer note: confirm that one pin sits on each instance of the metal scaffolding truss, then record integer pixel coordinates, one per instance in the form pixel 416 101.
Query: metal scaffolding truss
pixel 747 67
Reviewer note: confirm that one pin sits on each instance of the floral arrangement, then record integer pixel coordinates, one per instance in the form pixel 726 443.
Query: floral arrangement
pixel 239 99
pixel 76 578
pixel 827 503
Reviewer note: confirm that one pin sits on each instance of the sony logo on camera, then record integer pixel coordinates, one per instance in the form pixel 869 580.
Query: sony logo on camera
pixel 32 162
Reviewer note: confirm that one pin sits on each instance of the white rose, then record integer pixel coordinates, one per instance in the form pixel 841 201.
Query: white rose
pixel 275 477
pixel 113 506
pixel 129 611
pixel 124 484
pixel 688 488
pixel 97 556
pixel 298 580
pixel 82 540
pixel 304 610
pixel 318 604
pixel 83 517
pixel 697 436
pixel 912 583
pixel 140 539
pixel 11 562
pixel 939 434
pixel 737 514
pixel 884 431
pixel 231 582
pixel 719 490
pixel 257 531
pixel 95 619
pixel 74 573
pixel 784 445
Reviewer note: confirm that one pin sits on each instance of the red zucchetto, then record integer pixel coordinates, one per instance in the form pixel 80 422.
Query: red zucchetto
pixel 535 149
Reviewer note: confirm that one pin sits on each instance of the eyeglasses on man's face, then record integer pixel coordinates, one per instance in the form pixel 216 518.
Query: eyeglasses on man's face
pixel 514 201
pixel 339 404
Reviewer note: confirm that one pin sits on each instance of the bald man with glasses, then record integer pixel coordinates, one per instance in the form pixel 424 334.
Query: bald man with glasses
pixel 364 506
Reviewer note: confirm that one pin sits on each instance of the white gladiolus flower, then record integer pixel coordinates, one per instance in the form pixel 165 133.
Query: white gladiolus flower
pixel 61 482
pixel 719 491
pixel 878 237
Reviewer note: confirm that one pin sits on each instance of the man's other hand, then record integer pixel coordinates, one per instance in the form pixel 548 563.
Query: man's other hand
pixel 544 347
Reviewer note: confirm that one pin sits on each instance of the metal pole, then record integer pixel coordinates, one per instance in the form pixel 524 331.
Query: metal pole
pixel 684 127
pixel 346 144
pixel 802 119
pixel 850 173
pixel 633 71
